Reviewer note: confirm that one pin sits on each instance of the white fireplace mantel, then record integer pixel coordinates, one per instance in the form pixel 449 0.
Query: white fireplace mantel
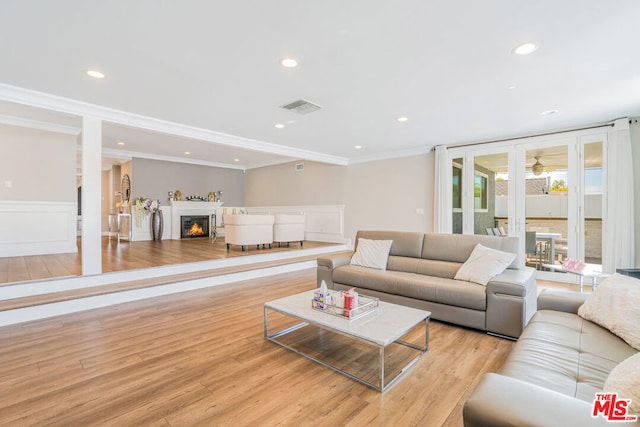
pixel 190 208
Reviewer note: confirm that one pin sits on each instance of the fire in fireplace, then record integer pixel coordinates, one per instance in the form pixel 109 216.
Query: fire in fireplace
pixel 194 226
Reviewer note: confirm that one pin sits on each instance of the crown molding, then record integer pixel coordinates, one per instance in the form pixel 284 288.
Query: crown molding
pixel 391 155
pixel 39 125
pixel 66 105
pixel 130 155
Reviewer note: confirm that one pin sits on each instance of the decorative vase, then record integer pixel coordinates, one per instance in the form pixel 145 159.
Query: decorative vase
pixel 156 225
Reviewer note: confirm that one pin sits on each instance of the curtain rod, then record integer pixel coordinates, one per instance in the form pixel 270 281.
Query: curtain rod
pixel 611 124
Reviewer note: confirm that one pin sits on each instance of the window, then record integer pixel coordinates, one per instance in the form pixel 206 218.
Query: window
pixel 457 187
pixel 480 190
pixel 480 196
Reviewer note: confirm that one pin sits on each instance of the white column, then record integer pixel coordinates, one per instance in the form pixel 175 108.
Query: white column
pixel 91 195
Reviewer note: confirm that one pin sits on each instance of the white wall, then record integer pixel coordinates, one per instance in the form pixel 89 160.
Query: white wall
pixel 41 165
pixel 38 195
pixel 551 206
pixel 381 195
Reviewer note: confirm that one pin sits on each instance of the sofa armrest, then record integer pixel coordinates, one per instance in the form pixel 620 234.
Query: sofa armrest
pixel 511 301
pixel 567 301
pixel 327 263
pixel 499 400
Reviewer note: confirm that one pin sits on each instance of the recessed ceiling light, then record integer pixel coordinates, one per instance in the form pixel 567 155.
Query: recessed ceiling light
pixel 512 87
pixel 95 74
pixel 525 48
pixel 279 125
pixel 357 147
pixel 187 152
pixel 402 119
pixel 289 62
pixel 120 143
pixel 236 160
pixel 549 112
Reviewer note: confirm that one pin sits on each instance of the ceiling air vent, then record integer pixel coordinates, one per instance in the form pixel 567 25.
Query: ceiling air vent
pixel 302 107
pixel 299 167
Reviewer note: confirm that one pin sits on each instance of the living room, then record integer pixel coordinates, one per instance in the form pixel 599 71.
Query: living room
pixel 352 155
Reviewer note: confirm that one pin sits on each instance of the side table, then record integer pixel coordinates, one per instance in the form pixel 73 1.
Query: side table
pixel 632 272
pixel 118 219
pixel 592 271
pixel 214 227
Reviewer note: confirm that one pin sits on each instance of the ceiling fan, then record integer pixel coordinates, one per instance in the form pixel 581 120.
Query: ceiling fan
pixel 537 167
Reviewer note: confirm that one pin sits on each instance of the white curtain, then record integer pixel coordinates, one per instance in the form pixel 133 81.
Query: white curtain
pixel 618 230
pixel 442 216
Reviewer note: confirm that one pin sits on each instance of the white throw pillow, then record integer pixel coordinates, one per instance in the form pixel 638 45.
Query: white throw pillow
pixel 624 379
pixel 483 264
pixel 615 305
pixel 372 253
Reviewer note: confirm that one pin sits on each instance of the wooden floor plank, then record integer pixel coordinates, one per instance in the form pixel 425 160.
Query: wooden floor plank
pixel 17 270
pixel 37 268
pixel 4 270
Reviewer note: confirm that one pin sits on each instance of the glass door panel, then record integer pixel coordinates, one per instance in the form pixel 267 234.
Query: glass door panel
pixel 593 190
pixel 491 179
pixel 457 195
pixel 547 183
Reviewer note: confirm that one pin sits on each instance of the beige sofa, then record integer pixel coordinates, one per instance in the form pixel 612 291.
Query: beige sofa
pixel 420 273
pixel 551 376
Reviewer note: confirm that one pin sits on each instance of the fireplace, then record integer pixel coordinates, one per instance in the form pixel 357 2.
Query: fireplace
pixel 194 226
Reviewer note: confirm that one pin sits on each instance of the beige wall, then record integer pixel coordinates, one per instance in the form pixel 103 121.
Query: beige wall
pixel 382 195
pixel 41 165
pixel 155 178
pixel 282 185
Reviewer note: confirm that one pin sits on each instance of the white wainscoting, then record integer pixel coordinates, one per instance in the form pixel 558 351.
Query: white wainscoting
pixel 323 223
pixel 36 228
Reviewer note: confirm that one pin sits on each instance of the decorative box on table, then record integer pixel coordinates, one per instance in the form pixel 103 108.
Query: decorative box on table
pixel 332 303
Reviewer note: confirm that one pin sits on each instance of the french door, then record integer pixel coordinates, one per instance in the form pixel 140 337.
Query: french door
pixel 547 191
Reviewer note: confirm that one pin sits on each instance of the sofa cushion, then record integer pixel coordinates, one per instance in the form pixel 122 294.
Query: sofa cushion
pixel 405 243
pixel 615 305
pixel 566 353
pixel 372 253
pixel 624 379
pixel 483 264
pixel 458 247
pixel 418 286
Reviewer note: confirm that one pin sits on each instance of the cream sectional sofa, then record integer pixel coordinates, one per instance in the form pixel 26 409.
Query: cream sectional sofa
pixel 420 273
pixel 551 376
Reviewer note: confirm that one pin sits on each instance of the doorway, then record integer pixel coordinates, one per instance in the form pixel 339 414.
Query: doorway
pixel 546 191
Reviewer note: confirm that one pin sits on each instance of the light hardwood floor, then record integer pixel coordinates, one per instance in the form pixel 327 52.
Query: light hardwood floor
pixel 129 256
pixel 199 358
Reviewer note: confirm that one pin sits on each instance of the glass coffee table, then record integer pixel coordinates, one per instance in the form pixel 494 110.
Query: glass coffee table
pixel 393 337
